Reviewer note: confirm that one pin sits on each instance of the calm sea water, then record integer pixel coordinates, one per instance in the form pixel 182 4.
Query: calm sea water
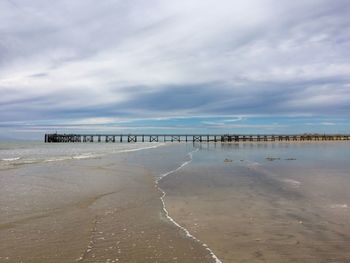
pixel 250 202
pixel 19 153
pixel 266 202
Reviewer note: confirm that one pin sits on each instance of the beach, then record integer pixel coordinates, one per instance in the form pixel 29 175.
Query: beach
pixel 88 208
pixel 266 202
pixel 175 202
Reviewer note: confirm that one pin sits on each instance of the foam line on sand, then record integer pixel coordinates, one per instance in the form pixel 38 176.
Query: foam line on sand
pixel 188 234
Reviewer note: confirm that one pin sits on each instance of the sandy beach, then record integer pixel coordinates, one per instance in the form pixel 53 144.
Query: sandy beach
pixel 92 210
pixel 184 131
pixel 178 203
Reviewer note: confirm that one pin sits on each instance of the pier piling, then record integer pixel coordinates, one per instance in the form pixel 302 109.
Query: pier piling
pixel 108 138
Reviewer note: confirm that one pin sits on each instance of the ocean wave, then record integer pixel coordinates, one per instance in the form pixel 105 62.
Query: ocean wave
pixel 17 161
pixel 11 159
pixel 56 159
pixel 292 182
pixel 87 156
pixel 343 206
pixel 140 149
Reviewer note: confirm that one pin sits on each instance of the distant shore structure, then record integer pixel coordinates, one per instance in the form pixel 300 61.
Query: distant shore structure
pixel 114 138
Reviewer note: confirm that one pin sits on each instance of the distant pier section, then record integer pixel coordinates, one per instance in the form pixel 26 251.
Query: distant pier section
pixel 132 138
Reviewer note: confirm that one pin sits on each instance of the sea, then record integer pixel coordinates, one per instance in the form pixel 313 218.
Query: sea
pixel 175 202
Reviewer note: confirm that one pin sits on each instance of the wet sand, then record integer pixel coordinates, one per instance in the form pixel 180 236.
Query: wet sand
pixel 96 210
pixel 246 202
pixel 251 209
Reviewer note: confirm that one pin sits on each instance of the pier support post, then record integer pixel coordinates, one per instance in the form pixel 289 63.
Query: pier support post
pixel 88 138
pixel 132 138
pixel 175 138
pixel 153 138
pixel 72 138
pixel 196 138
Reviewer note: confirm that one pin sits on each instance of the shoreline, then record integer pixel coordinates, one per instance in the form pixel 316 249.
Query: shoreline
pixel 272 212
pixel 172 220
pixel 151 205
pixel 90 210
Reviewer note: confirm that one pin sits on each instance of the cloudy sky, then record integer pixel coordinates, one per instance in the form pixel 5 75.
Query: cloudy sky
pixel 238 66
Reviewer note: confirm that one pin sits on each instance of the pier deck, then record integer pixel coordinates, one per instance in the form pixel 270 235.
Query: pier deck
pixel 132 138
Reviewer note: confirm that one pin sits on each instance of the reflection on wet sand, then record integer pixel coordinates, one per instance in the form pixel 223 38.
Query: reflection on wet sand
pixel 259 210
pixel 97 210
pixel 247 202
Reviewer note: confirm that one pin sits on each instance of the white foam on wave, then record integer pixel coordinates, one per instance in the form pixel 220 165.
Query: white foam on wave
pixel 340 206
pixel 140 149
pixel 86 156
pixel 92 155
pixel 187 233
pixel 292 182
pixel 80 156
pixel 57 159
pixel 11 159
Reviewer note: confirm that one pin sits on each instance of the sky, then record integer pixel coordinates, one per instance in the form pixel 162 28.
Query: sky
pixel 185 66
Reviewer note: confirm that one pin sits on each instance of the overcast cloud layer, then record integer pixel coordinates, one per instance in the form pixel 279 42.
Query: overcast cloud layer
pixel 104 62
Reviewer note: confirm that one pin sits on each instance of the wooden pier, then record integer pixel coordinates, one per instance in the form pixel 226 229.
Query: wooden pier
pixel 132 138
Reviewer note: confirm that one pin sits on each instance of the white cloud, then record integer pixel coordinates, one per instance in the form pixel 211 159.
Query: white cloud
pixel 263 56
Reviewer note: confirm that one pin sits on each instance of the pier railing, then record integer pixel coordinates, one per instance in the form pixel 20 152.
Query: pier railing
pixel 114 138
